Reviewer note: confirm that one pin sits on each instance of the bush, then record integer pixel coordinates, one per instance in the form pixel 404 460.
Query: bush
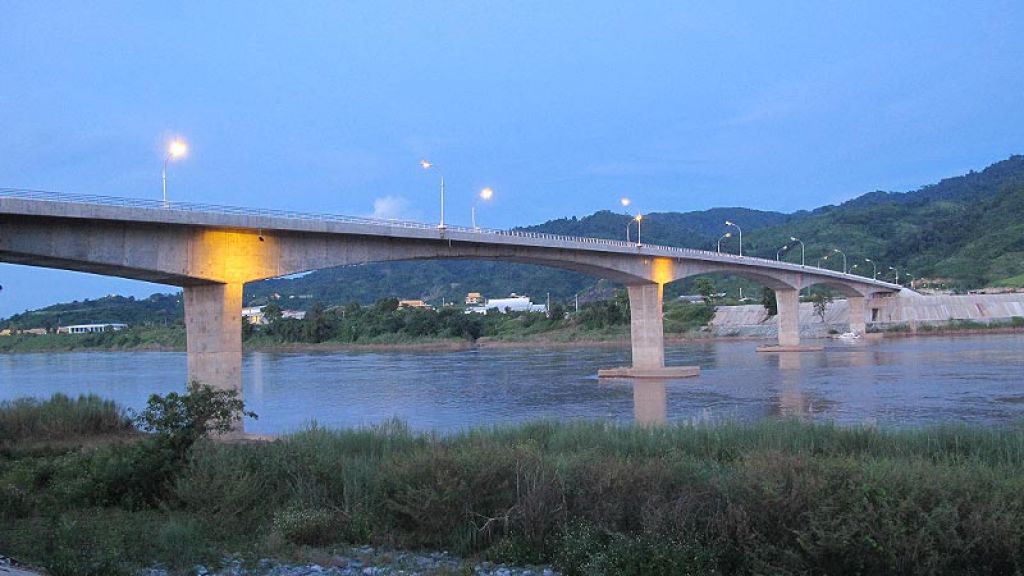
pixel 60 418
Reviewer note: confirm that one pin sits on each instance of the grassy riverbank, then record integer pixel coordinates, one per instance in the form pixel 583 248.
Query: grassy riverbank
pixel 591 498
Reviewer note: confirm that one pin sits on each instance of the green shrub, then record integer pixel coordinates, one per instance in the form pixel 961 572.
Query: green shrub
pixel 60 418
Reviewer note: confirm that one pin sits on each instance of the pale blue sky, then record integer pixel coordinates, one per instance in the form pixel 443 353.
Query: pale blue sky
pixel 560 107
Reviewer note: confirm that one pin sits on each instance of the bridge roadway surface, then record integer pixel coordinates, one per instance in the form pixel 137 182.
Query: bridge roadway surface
pixel 211 251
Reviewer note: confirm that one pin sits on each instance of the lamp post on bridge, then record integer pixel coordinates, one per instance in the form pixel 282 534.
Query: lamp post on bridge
pixel 795 239
pixel 823 258
pixel 837 250
pixel 427 166
pixel 724 236
pixel 897 273
pixel 176 149
pixel 778 253
pixel 874 269
pixel 728 223
pixel 485 194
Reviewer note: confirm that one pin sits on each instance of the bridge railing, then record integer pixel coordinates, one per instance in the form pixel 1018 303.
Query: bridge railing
pixel 193 207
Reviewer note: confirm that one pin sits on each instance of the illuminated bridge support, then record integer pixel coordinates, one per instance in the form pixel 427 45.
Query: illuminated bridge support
pixel 647 335
pixel 213 328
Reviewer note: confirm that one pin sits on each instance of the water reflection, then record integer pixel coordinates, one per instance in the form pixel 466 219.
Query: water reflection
pixel 900 382
pixel 650 402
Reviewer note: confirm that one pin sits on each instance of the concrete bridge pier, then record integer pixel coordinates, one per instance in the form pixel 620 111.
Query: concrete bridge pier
pixel 858 314
pixel 213 327
pixel 788 318
pixel 647 336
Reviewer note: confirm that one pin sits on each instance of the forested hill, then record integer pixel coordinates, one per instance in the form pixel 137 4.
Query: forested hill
pixel 969 229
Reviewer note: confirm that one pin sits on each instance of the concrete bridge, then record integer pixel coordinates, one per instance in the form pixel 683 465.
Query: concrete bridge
pixel 212 251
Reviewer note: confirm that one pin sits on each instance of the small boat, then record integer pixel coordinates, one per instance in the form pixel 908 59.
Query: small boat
pixel 851 335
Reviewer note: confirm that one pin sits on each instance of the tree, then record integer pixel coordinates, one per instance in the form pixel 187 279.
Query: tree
pixel 272 312
pixel 315 327
pixel 706 288
pixel 821 302
pixel 771 305
pixel 179 420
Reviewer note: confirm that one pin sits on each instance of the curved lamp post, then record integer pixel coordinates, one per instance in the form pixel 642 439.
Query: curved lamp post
pixel 795 239
pixel 897 273
pixel 778 254
pixel 176 149
pixel 838 251
pixel 874 269
pixel 485 194
pixel 724 236
pixel 728 223
pixel 427 166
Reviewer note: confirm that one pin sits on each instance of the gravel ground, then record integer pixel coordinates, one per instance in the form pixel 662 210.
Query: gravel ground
pixel 367 561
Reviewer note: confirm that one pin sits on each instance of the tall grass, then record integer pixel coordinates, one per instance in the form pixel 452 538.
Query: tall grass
pixel 776 497
pixel 60 418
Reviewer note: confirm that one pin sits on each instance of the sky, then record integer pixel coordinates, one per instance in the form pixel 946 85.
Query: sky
pixel 560 107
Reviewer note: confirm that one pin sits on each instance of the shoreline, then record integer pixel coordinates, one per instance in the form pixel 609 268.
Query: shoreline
pixel 499 344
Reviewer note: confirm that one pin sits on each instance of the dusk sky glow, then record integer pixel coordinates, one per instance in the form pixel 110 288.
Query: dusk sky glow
pixel 561 108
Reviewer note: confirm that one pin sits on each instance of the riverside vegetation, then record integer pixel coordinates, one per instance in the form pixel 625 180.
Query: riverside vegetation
pixel 385 323
pixel 82 491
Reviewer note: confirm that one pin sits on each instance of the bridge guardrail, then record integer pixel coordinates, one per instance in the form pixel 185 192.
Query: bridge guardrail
pixel 193 207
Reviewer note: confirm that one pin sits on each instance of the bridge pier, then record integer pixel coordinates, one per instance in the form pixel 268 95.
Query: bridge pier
pixel 647 336
pixel 858 315
pixel 788 317
pixel 213 328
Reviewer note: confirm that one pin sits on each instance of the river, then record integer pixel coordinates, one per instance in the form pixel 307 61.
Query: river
pixel 899 382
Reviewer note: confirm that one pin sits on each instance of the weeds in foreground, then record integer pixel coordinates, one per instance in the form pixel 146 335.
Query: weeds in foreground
pixel 591 498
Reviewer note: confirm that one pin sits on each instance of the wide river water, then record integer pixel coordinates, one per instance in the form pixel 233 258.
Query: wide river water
pixel 900 382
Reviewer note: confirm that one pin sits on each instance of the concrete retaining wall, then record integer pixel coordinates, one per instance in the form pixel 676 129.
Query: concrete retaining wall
pixel 910 308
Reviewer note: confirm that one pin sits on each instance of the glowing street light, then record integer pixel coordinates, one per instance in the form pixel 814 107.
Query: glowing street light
pixel 778 254
pixel 728 223
pixel 176 149
pixel 838 251
pixel 823 258
pixel 874 269
pixel 897 274
pixel 485 194
pixel 724 236
pixel 427 166
pixel 795 239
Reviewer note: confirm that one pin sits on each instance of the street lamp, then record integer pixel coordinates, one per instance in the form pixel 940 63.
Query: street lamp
pixel 911 280
pixel 874 269
pixel 724 236
pixel 825 257
pixel 176 149
pixel 728 223
pixel 897 274
pixel 427 166
pixel 837 250
pixel 778 254
pixel 795 239
pixel 638 218
pixel 485 194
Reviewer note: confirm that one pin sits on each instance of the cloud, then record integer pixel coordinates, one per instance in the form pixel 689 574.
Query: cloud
pixel 391 208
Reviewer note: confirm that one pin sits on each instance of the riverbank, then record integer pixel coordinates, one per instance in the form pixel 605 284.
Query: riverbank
pixel 555 339
pixel 584 498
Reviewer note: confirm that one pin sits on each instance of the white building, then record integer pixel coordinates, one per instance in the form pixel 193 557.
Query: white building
pixel 89 328
pixel 513 303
